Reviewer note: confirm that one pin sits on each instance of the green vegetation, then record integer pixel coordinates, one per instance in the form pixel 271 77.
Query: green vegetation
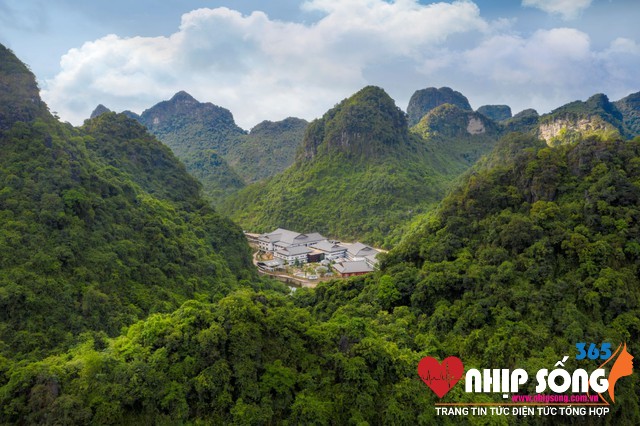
pixel 252 358
pixel 424 100
pixel 199 134
pixel 596 105
pixel 100 227
pixel 268 149
pixel 215 150
pixel 514 268
pixel 125 299
pixel 525 121
pixel 629 107
pixel 360 173
pixel 596 116
pixel 577 120
pixel 19 95
pixel 446 129
pixel 536 251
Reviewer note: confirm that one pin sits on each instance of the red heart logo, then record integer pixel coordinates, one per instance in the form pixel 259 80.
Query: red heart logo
pixel 440 377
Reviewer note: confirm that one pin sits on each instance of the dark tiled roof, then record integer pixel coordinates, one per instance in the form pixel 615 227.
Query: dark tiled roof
pixel 328 247
pixel 353 267
pixel 294 251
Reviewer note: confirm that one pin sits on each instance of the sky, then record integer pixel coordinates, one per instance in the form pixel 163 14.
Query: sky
pixel 268 60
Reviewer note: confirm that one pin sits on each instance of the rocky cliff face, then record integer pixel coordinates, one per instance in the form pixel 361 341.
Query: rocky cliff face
pixel 427 99
pixel 561 127
pixel 475 126
pixel 570 122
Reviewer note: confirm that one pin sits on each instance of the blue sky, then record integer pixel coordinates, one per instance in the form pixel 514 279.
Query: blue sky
pixel 273 59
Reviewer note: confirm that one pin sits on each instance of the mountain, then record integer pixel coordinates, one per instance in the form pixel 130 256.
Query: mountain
pixel 457 137
pixel 19 93
pixel 101 226
pixel 215 150
pixel 537 214
pixel 131 114
pixel 125 299
pixel 495 112
pixel 199 134
pixel 360 173
pixel 188 126
pixel 536 249
pixel 268 149
pixel 99 110
pixel 629 107
pixel 424 100
pixel 578 119
pixel 525 121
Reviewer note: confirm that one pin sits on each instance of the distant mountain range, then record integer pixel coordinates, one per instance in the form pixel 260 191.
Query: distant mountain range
pixel 361 173
pixel 356 169
pixel 214 149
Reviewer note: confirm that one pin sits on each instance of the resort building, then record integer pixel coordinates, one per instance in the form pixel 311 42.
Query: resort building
pixel 331 250
pixel 291 247
pixel 283 238
pixel 292 255
pixel 352 268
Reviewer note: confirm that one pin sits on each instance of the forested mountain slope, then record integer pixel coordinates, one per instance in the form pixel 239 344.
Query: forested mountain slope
pixel 361 174
pixel 268 149
pixel 536 251
pixel 199 134
pixel 532 253
pixel 215 150
pixel 103 235
pixel 100 226
pixel 577 120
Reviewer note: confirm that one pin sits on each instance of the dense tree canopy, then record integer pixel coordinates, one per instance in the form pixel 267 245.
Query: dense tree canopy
pixel 125 299
pixel 361 174
pixel 535 251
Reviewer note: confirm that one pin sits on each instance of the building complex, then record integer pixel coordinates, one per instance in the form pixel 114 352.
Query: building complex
pixel 289 247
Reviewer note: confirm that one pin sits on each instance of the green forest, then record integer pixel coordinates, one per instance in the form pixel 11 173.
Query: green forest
pixel 125 298
pixel 361 174
pixel 218 153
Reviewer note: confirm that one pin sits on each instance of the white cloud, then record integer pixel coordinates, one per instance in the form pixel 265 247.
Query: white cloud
pixel 261 68
pixel 569 9
pixel 257 67
pixel 550 68
pixel 554 57
pixel 621 60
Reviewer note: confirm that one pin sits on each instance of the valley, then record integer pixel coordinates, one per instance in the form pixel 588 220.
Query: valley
pixel 129 293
